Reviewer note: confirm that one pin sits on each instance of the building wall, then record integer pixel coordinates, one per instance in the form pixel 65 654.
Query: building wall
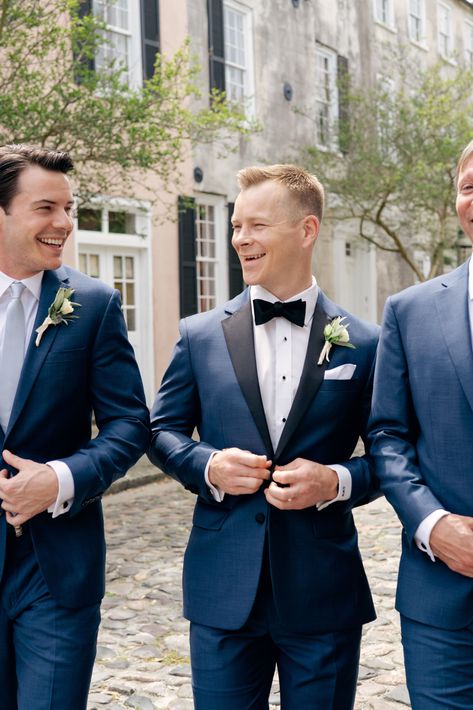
pixel 284 39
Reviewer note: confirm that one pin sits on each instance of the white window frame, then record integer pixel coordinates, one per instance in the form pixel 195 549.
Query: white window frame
pixel 220 259
pixel 133 76
pixel 330 56
pixel 412 17
pixel 468 43
pixel 140 209
pixel 388 19
pixel 445 34
pixel 248 67
pixel 139 243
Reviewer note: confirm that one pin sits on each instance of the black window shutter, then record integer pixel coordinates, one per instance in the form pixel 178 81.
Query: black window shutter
pixel 84 9
pixel 235 276
pixel 216 45
pixel 187 262
pixel 343 81
pixel 150 40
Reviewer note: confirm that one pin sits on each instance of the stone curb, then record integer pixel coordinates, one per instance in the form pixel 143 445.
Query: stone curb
pixel 127 483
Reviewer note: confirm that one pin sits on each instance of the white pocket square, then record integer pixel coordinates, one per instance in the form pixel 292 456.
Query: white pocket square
pixel 343 372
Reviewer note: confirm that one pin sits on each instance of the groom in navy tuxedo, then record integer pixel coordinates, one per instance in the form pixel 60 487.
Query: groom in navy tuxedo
pixel 272 573
pixel 422 430
pixel 64 355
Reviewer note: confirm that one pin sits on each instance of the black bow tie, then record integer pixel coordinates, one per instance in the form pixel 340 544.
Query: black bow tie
pixel 292 310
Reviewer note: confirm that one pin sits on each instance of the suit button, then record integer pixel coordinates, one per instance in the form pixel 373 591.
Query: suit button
pixel 260 518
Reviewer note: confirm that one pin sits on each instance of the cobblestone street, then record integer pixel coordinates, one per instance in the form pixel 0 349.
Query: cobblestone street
pixel 143 656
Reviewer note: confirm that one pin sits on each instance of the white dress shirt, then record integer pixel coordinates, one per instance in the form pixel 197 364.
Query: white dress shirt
pixel 280 351
pixel 423 532
pixel 30 301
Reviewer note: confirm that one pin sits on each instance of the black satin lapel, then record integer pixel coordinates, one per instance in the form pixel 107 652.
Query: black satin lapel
pixel 238 332
pixel 311 378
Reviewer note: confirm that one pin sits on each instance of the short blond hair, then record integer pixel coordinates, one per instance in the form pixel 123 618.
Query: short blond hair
pixel 306 189
pixel 464 158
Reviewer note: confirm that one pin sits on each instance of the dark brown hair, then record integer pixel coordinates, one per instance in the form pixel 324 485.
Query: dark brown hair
pixel 14 158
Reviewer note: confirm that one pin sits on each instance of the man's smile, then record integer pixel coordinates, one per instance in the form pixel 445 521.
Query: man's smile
pixel 253 257
pixel 52 241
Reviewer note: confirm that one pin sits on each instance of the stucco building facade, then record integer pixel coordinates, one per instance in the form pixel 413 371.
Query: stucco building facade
pixel 282 60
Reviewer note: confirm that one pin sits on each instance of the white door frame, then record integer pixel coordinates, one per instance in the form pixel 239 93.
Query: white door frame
pixel 129 245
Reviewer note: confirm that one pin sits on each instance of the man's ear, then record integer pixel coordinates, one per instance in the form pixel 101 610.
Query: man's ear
pixel 311 230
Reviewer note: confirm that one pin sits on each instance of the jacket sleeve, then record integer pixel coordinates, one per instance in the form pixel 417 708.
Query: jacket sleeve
pixel 174 416
pixel 394 430
pixel 118 402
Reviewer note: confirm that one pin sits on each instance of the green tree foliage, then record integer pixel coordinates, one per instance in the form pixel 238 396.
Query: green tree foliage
pixel 396 174
pixel 50 95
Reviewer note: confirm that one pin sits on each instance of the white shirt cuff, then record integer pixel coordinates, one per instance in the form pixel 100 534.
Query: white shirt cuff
pixel 422 534
pixel 216 493
pixel 344 486
pixel 65 496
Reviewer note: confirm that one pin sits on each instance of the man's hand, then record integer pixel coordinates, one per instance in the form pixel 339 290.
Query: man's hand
pixel 307 483
pixel 31 491
pixel 237 472
pixel 451 540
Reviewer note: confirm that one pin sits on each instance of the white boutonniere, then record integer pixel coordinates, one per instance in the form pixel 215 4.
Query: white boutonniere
pixel 60 311
pixel 335 334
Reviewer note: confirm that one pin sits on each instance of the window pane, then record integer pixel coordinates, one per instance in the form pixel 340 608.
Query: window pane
pixel 114 51
pixel 113 12
pixel 416 30
pixel 235 53
pixel 205 256
pixel 130 294
pixel 326 106
pixel 130 318
pixel 117 267
pixel 94 266
pixel 89 264
pixel 121 223
pixel 90 219
pixel 129 267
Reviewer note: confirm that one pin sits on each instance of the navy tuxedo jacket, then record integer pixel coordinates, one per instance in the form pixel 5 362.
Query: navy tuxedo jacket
pixel 212 385
pixel 422 431
pixel 85 366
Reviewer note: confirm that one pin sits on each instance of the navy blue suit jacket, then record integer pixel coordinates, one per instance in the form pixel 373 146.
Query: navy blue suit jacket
pixel 84 367
pixel 211 384
pixel 422 431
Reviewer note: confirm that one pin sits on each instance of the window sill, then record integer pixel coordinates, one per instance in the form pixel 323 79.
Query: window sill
pixel 390 28
pixel 419 45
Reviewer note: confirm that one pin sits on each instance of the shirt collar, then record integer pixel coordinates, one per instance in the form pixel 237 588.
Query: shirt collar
pixel 309 295
pixel 32 283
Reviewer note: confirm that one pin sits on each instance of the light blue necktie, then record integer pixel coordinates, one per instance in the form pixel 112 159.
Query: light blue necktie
pixel 13 352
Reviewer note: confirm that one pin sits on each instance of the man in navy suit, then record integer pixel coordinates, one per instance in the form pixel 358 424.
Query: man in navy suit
pixel 272 573
pixel 422 430
pixel 67 334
